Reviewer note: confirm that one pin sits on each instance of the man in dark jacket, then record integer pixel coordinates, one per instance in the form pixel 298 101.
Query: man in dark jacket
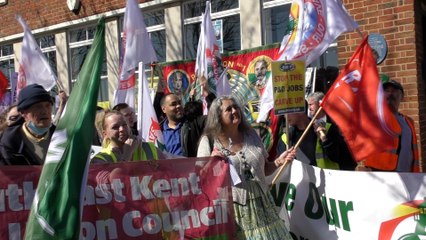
pixel 181 134
pixel 26 141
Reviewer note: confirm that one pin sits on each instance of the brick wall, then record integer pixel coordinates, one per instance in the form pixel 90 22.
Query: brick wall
pixel 400 22
pixel 43 13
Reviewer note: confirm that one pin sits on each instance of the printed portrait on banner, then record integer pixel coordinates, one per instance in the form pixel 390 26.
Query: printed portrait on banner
pixel 259 70
pixel 247 72
pixel 178 82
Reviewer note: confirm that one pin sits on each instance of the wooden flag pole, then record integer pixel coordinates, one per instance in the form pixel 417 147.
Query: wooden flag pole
pixel 297 145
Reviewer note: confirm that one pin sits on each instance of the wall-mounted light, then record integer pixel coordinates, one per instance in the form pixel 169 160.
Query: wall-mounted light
pixel 73 4
pixel 3 2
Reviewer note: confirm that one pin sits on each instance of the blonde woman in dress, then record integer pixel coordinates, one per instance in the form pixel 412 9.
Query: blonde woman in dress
pixel 228 134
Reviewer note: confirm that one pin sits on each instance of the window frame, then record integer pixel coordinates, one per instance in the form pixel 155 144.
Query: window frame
pixel 214 16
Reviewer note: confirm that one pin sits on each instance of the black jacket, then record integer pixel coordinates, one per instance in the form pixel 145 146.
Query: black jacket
pixel 307 148
pixel 13 150
pixel 190 135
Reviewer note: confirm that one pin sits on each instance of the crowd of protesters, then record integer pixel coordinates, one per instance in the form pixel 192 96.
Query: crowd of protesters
pixel 28 125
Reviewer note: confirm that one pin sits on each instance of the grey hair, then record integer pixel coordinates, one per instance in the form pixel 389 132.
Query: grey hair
pixel 214 123
pixel 317 96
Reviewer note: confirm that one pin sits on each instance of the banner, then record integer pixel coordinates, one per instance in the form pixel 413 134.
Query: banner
pixel 166 199
pixel 191 198
pixel 178 78
pixel 247 72
pixel 331 204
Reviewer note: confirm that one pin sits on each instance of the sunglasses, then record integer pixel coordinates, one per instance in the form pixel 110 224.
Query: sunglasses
pixel 13 118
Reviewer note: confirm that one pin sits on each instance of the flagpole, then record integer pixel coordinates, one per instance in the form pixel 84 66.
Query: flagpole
pixel 287 129
pixel 139 122
pixel 297 145
pixel 59 85
pixel 152 75
pixel 314 81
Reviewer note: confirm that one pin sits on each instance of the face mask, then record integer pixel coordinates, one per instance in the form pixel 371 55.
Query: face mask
pixel 36 130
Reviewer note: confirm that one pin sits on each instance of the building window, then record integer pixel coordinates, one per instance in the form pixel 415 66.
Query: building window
pixel 275 19
pixel 223 5
pixel 7 62
pixel 80 42
pixel 158 39
pixel 196 8
pixel 154 21
pixel 328 58
pixel 48 48
pixel 225 10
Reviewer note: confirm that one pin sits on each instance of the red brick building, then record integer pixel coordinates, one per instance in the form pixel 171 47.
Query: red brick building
pixel 402 25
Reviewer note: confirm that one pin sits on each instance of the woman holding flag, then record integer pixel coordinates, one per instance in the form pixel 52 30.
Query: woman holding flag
pixel 227 134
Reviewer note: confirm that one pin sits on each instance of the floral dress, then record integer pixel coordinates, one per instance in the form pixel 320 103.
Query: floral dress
pixel 254 208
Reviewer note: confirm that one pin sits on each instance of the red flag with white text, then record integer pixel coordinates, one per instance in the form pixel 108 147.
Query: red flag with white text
pixel 357 105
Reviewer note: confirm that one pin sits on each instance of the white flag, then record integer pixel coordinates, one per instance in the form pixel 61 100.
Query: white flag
pixel 33 67
pixel 208 63
pixel 137 48
pixel 223 87
pixel 314 27
pixel 147 124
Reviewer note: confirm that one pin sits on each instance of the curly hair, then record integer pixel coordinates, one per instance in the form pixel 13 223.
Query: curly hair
pixel 214 123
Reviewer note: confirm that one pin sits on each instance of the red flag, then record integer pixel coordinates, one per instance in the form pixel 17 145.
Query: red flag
pixel 356 103
pixel 4 83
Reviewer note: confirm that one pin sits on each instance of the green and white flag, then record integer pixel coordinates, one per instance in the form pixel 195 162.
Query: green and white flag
pixel 58 203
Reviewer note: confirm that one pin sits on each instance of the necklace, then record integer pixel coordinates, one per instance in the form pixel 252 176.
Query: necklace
pixel 245 168
pixel 226 150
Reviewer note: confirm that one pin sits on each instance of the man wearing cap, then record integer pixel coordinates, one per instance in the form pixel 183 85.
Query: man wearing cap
pixel 404 157
pixel 26 141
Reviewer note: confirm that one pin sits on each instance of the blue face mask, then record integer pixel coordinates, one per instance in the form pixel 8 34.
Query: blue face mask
pixel 36 130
